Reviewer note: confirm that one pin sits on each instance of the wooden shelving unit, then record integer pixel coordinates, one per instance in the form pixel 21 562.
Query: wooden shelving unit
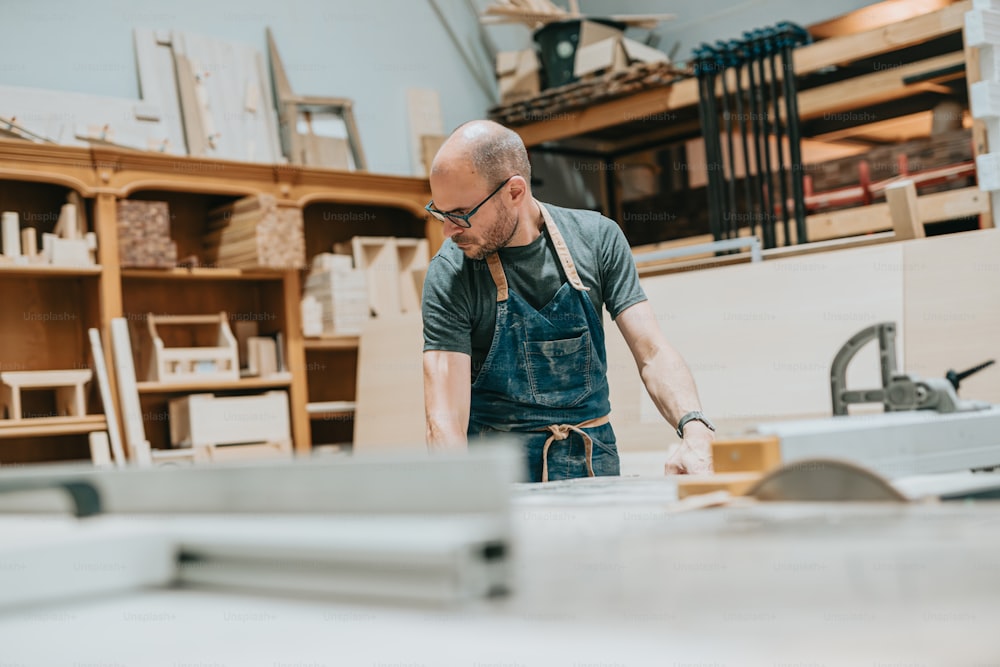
pixel 893 73
pixel 46 310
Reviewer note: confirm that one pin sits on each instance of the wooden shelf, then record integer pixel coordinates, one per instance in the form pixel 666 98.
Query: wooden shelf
pixel 204 273
pixel 43 426
pixel 332 343
pixel 280 382
pixel 47 270
pixel 328 409
pixel 615 123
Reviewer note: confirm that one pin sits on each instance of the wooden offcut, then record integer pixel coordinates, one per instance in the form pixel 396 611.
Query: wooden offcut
pixel 254 232
pixel 902 199
pixel 746 454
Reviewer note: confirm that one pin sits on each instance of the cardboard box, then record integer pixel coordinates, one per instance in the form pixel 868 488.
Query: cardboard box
pixel 517 75
pixel 613 54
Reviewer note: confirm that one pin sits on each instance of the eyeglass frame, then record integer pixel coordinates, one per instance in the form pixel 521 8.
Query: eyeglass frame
pixel 454 218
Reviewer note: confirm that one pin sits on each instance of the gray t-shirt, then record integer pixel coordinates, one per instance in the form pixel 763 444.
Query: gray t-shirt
pixel 459 299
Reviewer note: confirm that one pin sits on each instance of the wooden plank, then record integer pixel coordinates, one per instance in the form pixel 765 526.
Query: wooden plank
pixel 48 426
pixel 390 385
pixel 736 483
pixel 876 218
pixel 872 89
pixel 902 200
pixel 654 102
pixel 158 82
pixel 128 393
pixel 423 107
pixel 107 397
pixel 295 360
pixel 916 30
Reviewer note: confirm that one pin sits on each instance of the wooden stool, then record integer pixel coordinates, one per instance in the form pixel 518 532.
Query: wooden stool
pixel 68 385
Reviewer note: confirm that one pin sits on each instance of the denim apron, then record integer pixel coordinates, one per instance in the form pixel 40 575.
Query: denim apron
pixel 544 379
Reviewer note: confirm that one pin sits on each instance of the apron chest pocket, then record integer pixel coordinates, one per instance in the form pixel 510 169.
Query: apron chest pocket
pixel 559 370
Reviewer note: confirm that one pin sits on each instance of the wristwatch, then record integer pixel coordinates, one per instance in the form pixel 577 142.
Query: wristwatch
pixel 694 415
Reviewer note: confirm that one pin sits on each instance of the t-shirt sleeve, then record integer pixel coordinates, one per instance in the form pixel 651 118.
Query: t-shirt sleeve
pixel 620 277
pixel 446 308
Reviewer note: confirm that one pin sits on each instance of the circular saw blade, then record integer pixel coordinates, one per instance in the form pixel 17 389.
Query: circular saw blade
pixel 824 480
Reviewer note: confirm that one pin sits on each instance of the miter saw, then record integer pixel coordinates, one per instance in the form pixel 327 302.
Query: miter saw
pixel 899 391
pixel 925 428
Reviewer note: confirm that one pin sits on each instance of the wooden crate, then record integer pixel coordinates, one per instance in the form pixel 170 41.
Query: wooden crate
pixel 213 363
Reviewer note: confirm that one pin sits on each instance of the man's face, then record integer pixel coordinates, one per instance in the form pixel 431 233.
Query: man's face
pixel 492 226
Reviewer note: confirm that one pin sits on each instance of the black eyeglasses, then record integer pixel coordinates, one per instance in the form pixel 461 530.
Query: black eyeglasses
pixel 462 219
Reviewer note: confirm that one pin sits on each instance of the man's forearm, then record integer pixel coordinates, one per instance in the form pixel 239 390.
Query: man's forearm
pixel 669 382
pixel 445 434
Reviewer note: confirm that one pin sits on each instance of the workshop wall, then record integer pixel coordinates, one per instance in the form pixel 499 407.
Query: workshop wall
pixel 370 52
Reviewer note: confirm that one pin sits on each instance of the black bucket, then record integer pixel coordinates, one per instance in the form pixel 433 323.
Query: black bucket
pixel 557 43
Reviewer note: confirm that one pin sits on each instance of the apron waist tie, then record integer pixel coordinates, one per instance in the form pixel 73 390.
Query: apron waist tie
pixel 562 431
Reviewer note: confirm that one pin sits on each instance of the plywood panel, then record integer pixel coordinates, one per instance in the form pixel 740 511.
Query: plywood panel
pixel 390 394
pixel 760 338
pixel 952 308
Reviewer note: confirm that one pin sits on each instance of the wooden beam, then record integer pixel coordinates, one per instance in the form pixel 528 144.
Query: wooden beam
pixel 840 50
pixel 649 103
pixel 871 89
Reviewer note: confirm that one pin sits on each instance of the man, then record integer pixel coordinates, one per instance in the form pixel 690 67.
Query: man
pixel 513 325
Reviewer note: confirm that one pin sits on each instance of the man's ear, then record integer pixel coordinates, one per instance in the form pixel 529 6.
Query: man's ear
pixel 518 189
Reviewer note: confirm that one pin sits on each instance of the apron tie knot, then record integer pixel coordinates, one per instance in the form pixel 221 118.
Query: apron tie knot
pixel 561 432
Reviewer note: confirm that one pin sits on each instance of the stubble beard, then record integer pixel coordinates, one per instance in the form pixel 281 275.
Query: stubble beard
pixel 497 237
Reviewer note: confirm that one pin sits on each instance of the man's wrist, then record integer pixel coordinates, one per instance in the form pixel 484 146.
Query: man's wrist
pixel 691 418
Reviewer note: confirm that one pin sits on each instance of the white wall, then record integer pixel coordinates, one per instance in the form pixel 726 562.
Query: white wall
pixel 368 51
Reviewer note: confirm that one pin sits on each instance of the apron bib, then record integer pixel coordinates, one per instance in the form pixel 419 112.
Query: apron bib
pixel 544 379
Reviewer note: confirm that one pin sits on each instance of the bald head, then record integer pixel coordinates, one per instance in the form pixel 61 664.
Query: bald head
pixel 485 148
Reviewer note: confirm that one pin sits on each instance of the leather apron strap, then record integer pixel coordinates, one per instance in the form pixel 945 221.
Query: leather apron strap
pixel 562 431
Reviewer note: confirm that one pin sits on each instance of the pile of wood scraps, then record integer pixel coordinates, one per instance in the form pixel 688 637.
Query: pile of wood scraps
pixel 537 13
pixel 641 76
pixel 69 244
pixel 254 232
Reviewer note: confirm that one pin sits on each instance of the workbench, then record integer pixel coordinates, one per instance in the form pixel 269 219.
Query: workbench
pixel 606 572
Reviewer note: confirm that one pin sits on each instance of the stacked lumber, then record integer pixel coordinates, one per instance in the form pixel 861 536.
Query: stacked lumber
pixel 886 162
pixel 335 297
pixel 553 101
pixel 144 235
pixel 254 232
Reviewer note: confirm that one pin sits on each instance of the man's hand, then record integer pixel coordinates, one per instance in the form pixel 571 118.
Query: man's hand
pixel 694 453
